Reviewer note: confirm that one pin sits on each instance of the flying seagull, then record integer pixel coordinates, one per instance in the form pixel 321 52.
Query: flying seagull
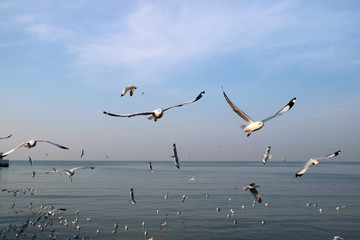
pixel 256 125
pixel 267 155
pixel 30 161
pixel 6 137
pixel 132 199
pixel 82 153
pixel 175 156
pixel 314 161
pixel 158 113
pixel 252 187
pixel 71 172
pixel 30 144
pixel 126 89
pixel 150 167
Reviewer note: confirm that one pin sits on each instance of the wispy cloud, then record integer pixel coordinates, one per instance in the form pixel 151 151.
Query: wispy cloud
pixel 154 35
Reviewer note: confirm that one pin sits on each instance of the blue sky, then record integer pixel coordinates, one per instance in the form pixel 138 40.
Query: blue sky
pixel 64 62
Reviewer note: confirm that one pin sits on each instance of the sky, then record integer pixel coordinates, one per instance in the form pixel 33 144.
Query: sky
pixel 62 63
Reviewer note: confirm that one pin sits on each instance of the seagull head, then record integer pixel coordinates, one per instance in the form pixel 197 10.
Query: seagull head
pixel 315 162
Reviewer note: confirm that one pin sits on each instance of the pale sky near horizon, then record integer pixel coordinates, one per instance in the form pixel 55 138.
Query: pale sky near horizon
pixel 63 63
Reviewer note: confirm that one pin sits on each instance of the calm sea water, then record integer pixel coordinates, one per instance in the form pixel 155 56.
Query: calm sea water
pixel 103 195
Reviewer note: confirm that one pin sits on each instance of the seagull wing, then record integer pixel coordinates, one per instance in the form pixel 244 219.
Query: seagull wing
pixel 132 90
pixel 281 111
pixel 329 156
pixel 305 167
pixel 55 144
pixel 78 168
pixel 237 110
pixel 181 104
pixel 12 150
pixel 6 137
pixel 128 115
pixel 176 159
pixel 132 199
pixel 256 194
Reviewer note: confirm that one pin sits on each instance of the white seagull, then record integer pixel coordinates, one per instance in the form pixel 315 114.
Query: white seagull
pixel 256 125
pixel 71 172
pixel 267 155
pixel 175 156
pixel 30 144
pixel 156 114
pixel 150 167
pixel 252 187
pixel 132 199
pixel 6 137
pixel 126 89
pixel 314 161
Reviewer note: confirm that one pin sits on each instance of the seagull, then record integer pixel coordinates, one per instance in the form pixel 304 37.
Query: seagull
pixel 267 155
pixel 314 161
pixel 132 199
pixel 6 137
pixel 33 174
pixel 30 144
pixel 126 89
pixel 71 172
pixel 82 153
pixel 30 161
pixel 158 113
pixel 256 125
pixel 175 156
pixel 183 198
pixel 150 167
pixel 252 187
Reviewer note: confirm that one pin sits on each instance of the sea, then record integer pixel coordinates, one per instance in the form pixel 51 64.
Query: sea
pixel 323 203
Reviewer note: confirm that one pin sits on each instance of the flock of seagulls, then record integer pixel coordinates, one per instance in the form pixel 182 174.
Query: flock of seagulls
pixel 156 114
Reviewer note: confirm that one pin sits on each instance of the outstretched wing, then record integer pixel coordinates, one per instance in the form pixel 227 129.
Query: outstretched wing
pixel 330 155
pixel 12 150
pixel 305 168
pixel 6 137
pixel 55 144
pixel 237 110
pixel 281 111
pixel 256 195
pixel 78 168
pixel 128 115
pixel 181 104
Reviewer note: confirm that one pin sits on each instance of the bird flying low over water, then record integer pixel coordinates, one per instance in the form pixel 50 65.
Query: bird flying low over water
pixel 158 113
pixel 71 172
pixel 252 187
pixel 256 125
pixel 126 89
pixel 82 153
pixel 30 161
pixel 175 156
pixel 30 144
pixel 267 155
pixel 132 199
pixel 314 161
pixel 6 137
